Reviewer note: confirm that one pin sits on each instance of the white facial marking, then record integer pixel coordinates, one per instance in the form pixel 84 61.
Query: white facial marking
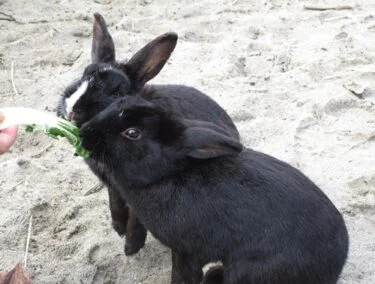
pixel 71 101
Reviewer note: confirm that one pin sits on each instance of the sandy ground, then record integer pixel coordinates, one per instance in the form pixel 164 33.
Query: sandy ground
pixel 299 84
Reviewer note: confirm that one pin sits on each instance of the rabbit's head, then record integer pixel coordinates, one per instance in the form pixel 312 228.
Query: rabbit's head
pixel 133 134
pixel 105 79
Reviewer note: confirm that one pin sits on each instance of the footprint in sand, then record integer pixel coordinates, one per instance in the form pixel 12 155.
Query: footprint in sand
pixel 363 196
pixel 106 270
pixel 336 106
pixel 41 218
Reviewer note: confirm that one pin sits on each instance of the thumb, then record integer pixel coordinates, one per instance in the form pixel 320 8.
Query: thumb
pixel 7 138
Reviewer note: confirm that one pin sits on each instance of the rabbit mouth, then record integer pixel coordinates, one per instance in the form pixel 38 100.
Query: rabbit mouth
pixel 71 116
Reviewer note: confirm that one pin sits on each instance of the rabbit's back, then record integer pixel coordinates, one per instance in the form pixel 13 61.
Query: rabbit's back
pixel 270 198
pixel 190 103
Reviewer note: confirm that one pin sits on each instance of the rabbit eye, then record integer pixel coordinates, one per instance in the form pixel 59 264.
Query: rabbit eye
pixel 132 134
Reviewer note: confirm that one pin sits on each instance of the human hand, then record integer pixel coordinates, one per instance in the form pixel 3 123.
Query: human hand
pixel 7 136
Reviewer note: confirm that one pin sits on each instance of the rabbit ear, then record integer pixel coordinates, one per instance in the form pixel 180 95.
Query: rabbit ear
pixel 201 142
pixel 103 48
pixel 148 61
pixel 130 105
pixel 115 114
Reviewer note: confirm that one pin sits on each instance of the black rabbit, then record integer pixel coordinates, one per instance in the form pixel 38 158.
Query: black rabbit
pixel 208 199
pixel 105 80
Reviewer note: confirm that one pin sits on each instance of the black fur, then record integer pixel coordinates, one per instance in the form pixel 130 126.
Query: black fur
pixel 208 200
pixel 109 80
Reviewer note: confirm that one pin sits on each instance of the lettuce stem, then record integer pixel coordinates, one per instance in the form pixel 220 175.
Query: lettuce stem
pixel 52 125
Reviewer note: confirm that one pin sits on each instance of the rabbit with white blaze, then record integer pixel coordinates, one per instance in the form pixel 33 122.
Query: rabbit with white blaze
pixel 209 199
pixel 105 80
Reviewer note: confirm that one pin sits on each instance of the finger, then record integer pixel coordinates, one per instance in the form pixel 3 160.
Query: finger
pixel 7 138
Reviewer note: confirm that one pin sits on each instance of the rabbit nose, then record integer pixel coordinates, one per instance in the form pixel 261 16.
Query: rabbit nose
pixel 71 116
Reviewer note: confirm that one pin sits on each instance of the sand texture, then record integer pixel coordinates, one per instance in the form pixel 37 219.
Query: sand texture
pixel 298 82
